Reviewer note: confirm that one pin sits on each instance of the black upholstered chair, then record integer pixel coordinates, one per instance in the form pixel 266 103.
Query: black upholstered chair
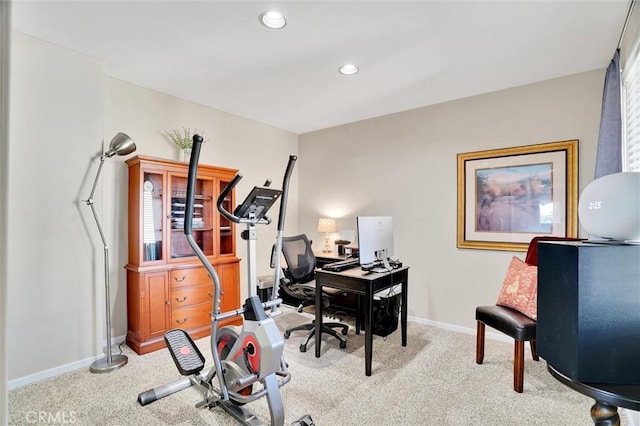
pixel 512 323
pixel 299 282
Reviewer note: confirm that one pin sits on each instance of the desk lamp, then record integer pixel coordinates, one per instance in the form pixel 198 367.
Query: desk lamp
pixel 327 226
pixel 121 144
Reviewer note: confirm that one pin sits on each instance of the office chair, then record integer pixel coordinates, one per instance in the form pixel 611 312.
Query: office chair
pixel 512 322
pixel 299 282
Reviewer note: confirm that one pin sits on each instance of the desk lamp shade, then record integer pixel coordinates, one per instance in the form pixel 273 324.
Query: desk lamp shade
pixel 121 144
pixel 326 226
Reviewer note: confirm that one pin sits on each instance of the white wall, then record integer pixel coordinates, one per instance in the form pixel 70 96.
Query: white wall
pixel 404 165
pixel 54 261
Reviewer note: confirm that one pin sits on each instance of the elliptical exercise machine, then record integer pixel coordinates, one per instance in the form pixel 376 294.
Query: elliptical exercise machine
pixel 255 356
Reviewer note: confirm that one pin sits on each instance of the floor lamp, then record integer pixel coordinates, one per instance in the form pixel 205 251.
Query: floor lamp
pixel 121 144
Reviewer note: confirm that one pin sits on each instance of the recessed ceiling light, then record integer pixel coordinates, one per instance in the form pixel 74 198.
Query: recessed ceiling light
pixel 348 69
pixel 273 20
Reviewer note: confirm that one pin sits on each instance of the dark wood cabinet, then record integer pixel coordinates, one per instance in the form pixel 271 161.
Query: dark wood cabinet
pixel 588 325
pixel 167 286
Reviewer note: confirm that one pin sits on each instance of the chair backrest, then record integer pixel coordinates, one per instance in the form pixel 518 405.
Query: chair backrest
pixel 532 251
pixel 301 262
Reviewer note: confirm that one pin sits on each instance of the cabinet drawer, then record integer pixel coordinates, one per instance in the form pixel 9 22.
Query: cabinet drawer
pixel 191 316
pixel 183 277
pixel 184 296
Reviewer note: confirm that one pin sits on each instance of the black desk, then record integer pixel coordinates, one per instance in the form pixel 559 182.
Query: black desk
pixel 608 398
pixel 325 258
pixel 363 284
pixel 347 302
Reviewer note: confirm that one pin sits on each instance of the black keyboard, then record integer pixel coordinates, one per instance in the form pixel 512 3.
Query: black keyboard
pixel 342 265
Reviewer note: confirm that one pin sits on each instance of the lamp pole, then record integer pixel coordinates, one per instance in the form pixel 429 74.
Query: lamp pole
pixel 121 144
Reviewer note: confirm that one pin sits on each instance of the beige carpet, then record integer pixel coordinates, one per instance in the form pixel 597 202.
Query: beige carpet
pixel 433 381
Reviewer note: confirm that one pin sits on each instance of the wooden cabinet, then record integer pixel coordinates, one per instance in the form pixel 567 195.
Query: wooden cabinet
pixel 167 286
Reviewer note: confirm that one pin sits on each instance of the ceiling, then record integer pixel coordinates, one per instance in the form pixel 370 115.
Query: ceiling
pixel 410 53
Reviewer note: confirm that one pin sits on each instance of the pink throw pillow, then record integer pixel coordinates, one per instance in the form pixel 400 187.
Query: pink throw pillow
pixel 520 288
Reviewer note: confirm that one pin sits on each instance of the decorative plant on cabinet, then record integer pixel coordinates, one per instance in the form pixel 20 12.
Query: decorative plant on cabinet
pixel 183 140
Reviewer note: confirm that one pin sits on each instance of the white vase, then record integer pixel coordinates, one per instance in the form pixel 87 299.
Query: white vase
pixel 186 155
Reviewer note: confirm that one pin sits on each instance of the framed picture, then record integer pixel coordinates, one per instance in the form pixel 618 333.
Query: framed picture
pixel 508 196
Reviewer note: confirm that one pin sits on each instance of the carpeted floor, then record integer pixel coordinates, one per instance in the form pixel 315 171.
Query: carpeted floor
pixel 432 381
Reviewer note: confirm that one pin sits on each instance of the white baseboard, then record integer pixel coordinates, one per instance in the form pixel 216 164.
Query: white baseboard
pixel 489 335
pixel 56 371
pixel 52 372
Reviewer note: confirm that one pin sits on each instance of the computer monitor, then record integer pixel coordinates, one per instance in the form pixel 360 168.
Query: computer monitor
pixel 375 240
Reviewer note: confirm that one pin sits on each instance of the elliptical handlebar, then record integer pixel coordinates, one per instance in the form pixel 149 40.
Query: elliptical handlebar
pixel 191 182
pixel 233 217
pixel 285 191
pixel 253 209
pixel 188 217
pixel 225 192
pixel 276 259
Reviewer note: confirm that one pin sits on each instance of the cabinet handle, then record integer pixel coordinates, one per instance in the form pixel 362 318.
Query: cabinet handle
pixel 179 280
pixel 181 300
pixel 183 320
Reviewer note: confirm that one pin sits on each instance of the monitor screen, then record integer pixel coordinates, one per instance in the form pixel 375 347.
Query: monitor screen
pixel 375 238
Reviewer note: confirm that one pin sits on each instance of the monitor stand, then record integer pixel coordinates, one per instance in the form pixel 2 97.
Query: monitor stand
pixel 383 265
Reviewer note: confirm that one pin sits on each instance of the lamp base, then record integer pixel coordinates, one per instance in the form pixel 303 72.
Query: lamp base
pixel 102 365
pixel 326 245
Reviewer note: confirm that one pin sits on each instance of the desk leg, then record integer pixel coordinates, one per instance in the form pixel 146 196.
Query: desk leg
pixel 358 313
pixel 368 330
pixel 604 414
pixel 318 309
pixel 403 312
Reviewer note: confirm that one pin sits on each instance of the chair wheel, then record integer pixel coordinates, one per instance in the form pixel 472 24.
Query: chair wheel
pixel 286 334
pixel 303 348
pixel 343 345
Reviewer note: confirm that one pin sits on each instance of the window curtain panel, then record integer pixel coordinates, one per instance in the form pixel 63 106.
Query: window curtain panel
pixel 609 155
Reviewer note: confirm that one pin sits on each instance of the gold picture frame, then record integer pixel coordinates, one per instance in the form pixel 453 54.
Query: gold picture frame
pixel 508 196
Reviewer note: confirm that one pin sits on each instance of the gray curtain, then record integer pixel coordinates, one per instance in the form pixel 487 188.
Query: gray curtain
pixel 609 155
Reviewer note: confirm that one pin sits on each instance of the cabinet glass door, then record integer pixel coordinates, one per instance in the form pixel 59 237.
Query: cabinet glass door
pixel 201 226
pixel 152 219
pixel 226 231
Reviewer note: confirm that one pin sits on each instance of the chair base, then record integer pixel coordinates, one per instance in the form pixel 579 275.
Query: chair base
pixel 328 328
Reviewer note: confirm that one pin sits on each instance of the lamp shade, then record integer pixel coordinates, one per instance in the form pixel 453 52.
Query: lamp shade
pixel 121 144
pixel 326 225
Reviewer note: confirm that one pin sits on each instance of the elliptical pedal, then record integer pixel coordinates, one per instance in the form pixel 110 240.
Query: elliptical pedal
pixel 184 352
